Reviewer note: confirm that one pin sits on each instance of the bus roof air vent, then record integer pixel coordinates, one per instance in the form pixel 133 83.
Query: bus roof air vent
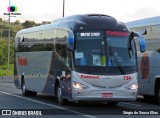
pixel 100 15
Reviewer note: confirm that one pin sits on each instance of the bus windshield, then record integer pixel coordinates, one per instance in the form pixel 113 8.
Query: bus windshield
pixel 107 49
pixel 90 49
pixel 121 51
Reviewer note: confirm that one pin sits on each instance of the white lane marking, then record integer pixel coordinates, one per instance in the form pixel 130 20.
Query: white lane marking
pixel 78 113
pixel 131 104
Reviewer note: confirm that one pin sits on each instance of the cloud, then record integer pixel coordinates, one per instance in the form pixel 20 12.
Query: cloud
pixel 144 12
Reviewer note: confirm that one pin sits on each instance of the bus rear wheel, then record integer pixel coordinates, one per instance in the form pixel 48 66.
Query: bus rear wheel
pixel 24 91
pixel 59 98
pixel 27 92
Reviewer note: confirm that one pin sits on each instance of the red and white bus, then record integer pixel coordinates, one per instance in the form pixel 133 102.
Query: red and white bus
pixel 79 58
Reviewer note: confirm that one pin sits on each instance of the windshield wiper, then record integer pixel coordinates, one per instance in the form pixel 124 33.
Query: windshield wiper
pixel 115 59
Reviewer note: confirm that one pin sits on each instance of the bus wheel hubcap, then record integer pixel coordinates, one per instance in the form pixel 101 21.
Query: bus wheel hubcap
pixel 23 88
pixel 59 94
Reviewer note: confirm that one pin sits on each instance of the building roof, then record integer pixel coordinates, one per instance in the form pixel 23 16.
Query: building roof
pixel 144 22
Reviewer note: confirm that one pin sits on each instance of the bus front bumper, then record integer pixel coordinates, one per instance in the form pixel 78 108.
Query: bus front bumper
pixel 104 95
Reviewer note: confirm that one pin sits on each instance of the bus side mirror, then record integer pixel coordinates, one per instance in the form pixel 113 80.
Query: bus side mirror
pixel 143 31
pixel 141 39
pixel 70 41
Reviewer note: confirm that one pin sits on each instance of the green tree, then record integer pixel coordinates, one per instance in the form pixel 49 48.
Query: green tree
pixel 17 22
pixel 4 51
pixel 28 24
pixel 1 20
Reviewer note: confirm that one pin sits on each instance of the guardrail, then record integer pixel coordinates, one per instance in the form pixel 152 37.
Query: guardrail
pixel 6 79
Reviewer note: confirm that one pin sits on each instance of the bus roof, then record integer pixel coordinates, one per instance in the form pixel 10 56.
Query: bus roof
pixel 37 28
pixel 87 21
pixel 144 22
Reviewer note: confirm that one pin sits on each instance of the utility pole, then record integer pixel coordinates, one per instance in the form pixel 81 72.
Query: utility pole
pixel 9 38
pixel 2 31
pixel 63 7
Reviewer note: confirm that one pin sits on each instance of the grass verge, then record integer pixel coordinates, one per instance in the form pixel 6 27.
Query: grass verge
pixel 4 70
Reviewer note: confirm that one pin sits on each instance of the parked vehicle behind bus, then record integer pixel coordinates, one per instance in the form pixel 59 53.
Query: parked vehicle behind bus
pixel 148 62
pixel 79 58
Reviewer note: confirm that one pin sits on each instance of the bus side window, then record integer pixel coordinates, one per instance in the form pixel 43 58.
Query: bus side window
pixel 62 47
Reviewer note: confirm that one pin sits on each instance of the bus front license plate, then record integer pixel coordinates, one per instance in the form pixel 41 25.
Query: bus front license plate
pixel 106 95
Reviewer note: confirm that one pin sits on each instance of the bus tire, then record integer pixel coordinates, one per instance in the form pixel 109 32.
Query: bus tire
pixel 59 99
pixel 24 91
pixel 112 103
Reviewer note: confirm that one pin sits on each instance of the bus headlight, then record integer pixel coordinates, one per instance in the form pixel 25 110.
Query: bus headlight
pixel 79 86
pixel 132 86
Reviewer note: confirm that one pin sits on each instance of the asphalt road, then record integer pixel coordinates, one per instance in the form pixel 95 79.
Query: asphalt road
pixel 12 100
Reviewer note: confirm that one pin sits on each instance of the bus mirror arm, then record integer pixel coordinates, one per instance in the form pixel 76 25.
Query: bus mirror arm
pixel 141 39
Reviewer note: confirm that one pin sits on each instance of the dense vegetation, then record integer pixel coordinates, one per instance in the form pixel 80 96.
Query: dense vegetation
pixel 14 27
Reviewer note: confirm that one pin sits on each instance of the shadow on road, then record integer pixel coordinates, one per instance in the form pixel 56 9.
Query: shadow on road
pixel 148 101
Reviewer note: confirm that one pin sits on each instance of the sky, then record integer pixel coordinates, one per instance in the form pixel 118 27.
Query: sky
pixel 48 10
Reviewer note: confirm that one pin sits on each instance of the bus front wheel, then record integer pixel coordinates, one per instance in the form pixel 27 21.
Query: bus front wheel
pixel 59 98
